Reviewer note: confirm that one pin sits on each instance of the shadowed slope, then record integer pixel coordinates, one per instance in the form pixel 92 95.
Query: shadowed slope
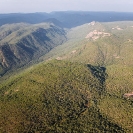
pixel 23 43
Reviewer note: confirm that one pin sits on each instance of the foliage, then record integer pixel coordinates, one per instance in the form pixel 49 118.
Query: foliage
pixel 57 96
pixel 80 91
pixel 22 43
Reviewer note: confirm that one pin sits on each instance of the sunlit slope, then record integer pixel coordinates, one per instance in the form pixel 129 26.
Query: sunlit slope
pixel 57 96
pixel 98 43
pixel 83 90
pixel 114 51
pixel 115 105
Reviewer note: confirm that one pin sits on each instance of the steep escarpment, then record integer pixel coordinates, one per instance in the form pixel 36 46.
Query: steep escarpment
pixel 28 43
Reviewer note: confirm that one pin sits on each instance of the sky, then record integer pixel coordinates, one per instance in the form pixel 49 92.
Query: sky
pixel 28 6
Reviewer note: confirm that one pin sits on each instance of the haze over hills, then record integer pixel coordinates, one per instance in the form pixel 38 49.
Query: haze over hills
pixel 83 81
pixel 68 19
pixel 98 44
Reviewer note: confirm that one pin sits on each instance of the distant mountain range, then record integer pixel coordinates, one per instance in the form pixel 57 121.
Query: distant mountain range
pixel 67 19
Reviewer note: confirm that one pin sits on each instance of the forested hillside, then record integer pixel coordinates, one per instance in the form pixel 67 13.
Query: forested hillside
pixel 84 85
pixel 57 96
pixel 97 43
pixel 21 43
pixel 108 45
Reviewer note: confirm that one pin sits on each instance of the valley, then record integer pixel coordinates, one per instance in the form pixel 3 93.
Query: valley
pixel 66 79
pixel 21 43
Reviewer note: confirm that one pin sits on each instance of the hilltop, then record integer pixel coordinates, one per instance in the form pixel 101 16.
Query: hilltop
pixel 98 44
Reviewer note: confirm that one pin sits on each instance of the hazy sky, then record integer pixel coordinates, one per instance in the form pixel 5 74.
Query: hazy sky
pixel 11 6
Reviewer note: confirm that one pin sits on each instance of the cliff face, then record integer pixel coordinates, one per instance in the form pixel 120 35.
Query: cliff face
pixel 26 44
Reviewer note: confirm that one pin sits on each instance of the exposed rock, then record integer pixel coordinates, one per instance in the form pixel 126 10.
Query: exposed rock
pixel 94 35
pixel 117 28
pixel 128 95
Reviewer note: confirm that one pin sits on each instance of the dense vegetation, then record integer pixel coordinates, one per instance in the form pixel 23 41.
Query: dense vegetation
pixel 112 52
pixel 58 96
pixel 80 86
pixel 106 50
pixel 22 43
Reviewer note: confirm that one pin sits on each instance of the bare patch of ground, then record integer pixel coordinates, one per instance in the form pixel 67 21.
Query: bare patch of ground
pixel 128 95
pixel 16 90
pixel 74 51
pixel 92 23
pixel 7 92
pixel 59 58
pixel 94 35
pixel 117 28
pixel 129 40
pixel 116 56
